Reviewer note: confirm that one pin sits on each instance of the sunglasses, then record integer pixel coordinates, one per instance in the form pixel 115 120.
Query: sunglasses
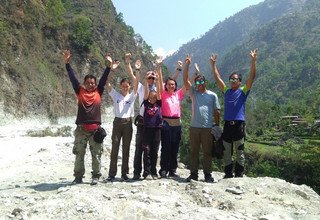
pixel 233 80
pixel 199 82
pixel 151 77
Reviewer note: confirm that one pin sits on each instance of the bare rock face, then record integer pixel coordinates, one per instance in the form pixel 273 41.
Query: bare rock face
pixel 36 175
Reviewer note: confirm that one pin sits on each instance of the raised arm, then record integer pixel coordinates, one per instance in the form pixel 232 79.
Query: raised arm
pixel 158 85
pixel 137 80
pixel 253 55
pixel 110 66
pixel 74 81
pixel 159 76
pixel 178 70
pixel 127 58
pixel 216 73
pixel 186 82
pixel 146 87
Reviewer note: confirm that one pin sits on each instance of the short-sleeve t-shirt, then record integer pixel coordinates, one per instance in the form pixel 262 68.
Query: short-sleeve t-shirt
pixel 171 106
pixel 203 105
pixel 123 105
pixel 234 103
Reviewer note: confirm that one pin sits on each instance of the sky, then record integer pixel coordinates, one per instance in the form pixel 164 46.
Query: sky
pixel 167 24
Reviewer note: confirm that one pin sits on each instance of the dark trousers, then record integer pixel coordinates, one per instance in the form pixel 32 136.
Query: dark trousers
pixel 122 129
pixel 137 161
pixel 170 140
pixel 150 147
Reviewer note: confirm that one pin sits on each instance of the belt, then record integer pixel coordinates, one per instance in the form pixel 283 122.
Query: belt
pixel 233 122
pixel 171 117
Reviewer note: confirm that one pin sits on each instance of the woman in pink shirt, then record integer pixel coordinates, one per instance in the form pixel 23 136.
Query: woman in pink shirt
pixel 171 131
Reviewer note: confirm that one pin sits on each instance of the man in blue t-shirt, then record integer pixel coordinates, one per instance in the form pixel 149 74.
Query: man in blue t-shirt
pixel 205 113
pixel 234 115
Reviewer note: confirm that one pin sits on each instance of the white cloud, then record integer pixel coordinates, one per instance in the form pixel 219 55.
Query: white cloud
pixel 162 52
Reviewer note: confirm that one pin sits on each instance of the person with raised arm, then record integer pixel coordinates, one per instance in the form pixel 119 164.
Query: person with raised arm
pixel 235 97
pixel 88 118
pixel 171 98
pixel 152 123
pixel 137 161
pixel 205 115
pixel 123 105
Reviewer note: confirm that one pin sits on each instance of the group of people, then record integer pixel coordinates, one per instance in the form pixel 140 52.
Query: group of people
pixel 159 120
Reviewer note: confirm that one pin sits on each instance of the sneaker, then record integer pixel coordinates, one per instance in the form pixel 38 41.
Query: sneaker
pixel 110 179
pixel 154 177
pixel 227 176
pixel 124 177
pixel 136 177
pixel 163 174
pixel 208 178
pixel 77 180
pixel 94 181
pixel 173 175
pixel 193 176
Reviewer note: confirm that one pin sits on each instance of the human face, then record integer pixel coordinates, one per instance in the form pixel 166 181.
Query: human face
pixel 170 85
pixel 150 78
pixel 235 81
pixel 90 84
pixel 125 88
pixel 152 97
pixel 200 85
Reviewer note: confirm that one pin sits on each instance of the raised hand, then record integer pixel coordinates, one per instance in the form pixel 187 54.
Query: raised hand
pixel 254 53
pixel 159 60
pixel 188 59
pixel 67 56
pixel 109 60
pixel 179 65
pixel 137 64
pixel 115 64
pixel 213 58
pixel 127 58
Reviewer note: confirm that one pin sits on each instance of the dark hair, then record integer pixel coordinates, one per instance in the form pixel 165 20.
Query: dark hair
pixel 200 77
pixel 175 82
pixel 125 80
pixel 90 76
pixel 235 73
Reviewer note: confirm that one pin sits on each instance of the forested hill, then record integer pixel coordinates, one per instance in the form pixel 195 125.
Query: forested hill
pixel 288 73
pixel 224 36
pixel 33 35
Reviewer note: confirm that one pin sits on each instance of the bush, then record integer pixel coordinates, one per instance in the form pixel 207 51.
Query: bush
pixel 81 33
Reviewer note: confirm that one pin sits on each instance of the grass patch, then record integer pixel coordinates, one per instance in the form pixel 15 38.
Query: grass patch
pixel 64 131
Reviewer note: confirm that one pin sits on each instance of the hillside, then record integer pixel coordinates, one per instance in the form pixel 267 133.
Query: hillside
pixel 33 35
pixel 288 79
pixel 229 33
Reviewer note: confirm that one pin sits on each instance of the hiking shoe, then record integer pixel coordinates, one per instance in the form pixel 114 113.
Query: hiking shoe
pixel 227 176
pixel 110 179
pixel 77 180
pixel 208 178
pixel 124 177
pixel 173 175
pixel 154 177
pixel 94 181
pixel 136 177
pixel 238 175
pixel 193 176
pixel 163 174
